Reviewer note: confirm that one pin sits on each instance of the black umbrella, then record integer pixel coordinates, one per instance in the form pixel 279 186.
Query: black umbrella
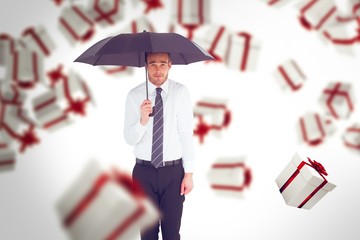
pixel 129 49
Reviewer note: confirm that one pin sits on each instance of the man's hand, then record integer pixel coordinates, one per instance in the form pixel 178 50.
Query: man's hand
pixel 145 110
pixel 187 184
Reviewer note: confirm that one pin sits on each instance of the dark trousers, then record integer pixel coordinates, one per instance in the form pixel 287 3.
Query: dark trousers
pixel 162 186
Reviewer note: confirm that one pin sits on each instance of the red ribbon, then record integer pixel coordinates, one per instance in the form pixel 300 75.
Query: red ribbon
pixel 7 162
pixel 56 75
pixel 318 167
pixel 306 23
pixel 152 5
pixel 247 177
pixel 332 94
pixel 91 195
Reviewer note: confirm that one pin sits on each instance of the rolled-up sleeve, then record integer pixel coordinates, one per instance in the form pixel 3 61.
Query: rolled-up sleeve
pixel 185 120
pixel 133 130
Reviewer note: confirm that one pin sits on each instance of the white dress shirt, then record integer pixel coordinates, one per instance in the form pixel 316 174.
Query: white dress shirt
pixel 178 123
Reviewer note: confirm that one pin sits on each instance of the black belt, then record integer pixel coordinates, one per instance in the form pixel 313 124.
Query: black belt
pixel 166 163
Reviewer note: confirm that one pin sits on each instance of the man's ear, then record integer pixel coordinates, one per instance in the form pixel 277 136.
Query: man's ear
pixel 169 64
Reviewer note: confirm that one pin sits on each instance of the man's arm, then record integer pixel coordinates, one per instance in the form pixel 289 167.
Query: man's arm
pixel 134 123
pixel 186 131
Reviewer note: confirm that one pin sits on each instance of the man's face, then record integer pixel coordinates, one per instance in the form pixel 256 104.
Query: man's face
pixel 158 66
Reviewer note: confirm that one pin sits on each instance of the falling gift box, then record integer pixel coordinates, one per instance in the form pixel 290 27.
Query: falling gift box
pixel 215 40
pixel 106 12
pixel 103 204
pixel 73 94
pixel 7 154
pixel 190 14
pixel 314 128
pixel 337 99
pixel 344 36
pixel 242 52
pixel 76 24
pixel 27 68
pixel 290 76
pixel 229 176
pixel 302 183
pixel 7 48
pixel 212 115
pixel 16 125
pixel 351 137
pixel 38 39
pixel 47 112
pixel 317 14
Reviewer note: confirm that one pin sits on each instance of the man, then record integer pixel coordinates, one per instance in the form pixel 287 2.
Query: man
pixel 163 143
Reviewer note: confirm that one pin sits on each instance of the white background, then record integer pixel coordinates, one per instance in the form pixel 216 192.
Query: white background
pixel 263 130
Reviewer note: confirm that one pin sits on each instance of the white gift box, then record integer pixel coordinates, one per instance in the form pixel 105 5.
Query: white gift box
pixel 212 115
pixel 7 154
pixel 11 94
pixel 138 25
pixel 314 128
pixel 351 137
pixel 73 94
pixel 101 204
pixel 243 52
pixel 338 99
pixel 76 24
pixel 17 126
pixel 302 183
pixel 215 40
pixel 106 12
pixel 344 36
pixel 7 48
pixel 191 14
pixel 229 176
pixel 47 112
pixel 290 76
pixel 38 40
pixel 27 68
pixel 317 14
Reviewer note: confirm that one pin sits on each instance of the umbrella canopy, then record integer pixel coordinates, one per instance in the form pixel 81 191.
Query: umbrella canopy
pixel 129 49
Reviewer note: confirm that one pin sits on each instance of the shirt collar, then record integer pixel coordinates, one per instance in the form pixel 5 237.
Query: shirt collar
pixel 164 86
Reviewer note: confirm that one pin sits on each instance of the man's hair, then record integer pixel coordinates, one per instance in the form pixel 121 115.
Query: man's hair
pixel 148 53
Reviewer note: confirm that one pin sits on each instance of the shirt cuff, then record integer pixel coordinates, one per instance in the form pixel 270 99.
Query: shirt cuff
pixel 188 166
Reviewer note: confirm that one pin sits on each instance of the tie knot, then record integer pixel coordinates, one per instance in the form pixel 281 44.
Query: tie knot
pixel 158 90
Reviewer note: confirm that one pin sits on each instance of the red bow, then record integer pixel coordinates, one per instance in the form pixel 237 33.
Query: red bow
pixel 318 167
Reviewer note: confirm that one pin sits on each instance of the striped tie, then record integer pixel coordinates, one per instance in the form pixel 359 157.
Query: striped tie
pixel 157 145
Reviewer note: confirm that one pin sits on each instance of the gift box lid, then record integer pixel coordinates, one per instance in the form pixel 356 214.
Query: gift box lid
pixel 310 175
